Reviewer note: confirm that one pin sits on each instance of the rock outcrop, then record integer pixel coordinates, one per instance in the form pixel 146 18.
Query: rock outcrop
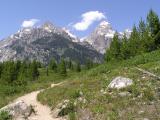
pixel 19 110
pixel 120 82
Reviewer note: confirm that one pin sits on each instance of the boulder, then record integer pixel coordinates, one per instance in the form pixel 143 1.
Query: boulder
pixel 18 110
pixel 120 82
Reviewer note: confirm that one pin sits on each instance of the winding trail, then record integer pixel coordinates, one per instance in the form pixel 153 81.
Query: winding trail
pixel 42 112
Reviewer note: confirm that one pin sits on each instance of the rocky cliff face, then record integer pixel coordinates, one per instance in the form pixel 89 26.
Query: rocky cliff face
pixel 45 42
pixel 101 37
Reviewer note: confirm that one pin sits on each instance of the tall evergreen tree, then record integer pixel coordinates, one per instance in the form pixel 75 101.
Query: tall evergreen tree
pixel 34 70
pixel 153 22
pixel 89 64
pixel 62 68
pixel 70 65
pixel 22 76
pixel 114 51
pixel 154 26
pixel 147 42
pixel 17 68
pixel 134 42
pixel 1 69
pixel 125 50
pixel 47 73
pixel 78 67
pixel 53 65
pixel 9 72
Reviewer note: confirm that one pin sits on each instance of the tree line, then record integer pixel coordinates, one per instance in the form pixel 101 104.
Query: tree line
pixel 18 72
pixel 67 65
pixel 144 38
pixel 21 72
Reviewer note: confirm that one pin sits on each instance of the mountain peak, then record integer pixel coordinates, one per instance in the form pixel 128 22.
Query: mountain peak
pixel 101 37
pixel 48 26
pixel 104 23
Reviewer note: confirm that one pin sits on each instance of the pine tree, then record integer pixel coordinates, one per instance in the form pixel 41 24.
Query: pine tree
pixel 142 36
pixel 62 68
pixel 154 26
pixel 53 65
pixel 147 42
pixel 17 68
pixel 22 77
pixel 157 39
pixel 34 70
pixel 88 64
pixel 1 69
pixel 108 54
pixel 114 51
pixel 70 65
pixel 47 71
pixel 9 72
pixel 153 22
pixel 78 67
pixel 125 50
pixel 134 42
pixel 142 27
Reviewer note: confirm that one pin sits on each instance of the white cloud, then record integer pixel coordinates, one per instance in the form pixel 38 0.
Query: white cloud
pixel 29 23
pixel 87 19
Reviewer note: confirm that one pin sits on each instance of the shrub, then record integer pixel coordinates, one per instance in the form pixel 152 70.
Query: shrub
pixel 4 115
pixel 75 94
pixel 70 108
pixel 148 94
pixel 134 90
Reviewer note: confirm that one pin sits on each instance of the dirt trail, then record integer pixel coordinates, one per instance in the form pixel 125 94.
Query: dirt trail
pixel 42 112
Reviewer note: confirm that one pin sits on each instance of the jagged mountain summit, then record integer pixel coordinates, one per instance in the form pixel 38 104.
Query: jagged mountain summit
pixel 102 36
pixel 46 42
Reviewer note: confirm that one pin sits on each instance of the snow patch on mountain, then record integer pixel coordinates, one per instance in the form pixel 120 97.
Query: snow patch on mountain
pixel 74 37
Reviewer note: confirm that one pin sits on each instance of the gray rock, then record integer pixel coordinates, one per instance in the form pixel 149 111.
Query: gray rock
pixel 18 110
pixel 120 82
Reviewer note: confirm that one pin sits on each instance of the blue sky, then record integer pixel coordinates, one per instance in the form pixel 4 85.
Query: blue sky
pixel 121 14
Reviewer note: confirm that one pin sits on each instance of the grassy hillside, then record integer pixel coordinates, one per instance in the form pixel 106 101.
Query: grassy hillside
pixel 99 102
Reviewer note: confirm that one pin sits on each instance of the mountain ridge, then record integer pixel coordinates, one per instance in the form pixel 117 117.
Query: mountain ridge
pixel 21 45
pixel 43 43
